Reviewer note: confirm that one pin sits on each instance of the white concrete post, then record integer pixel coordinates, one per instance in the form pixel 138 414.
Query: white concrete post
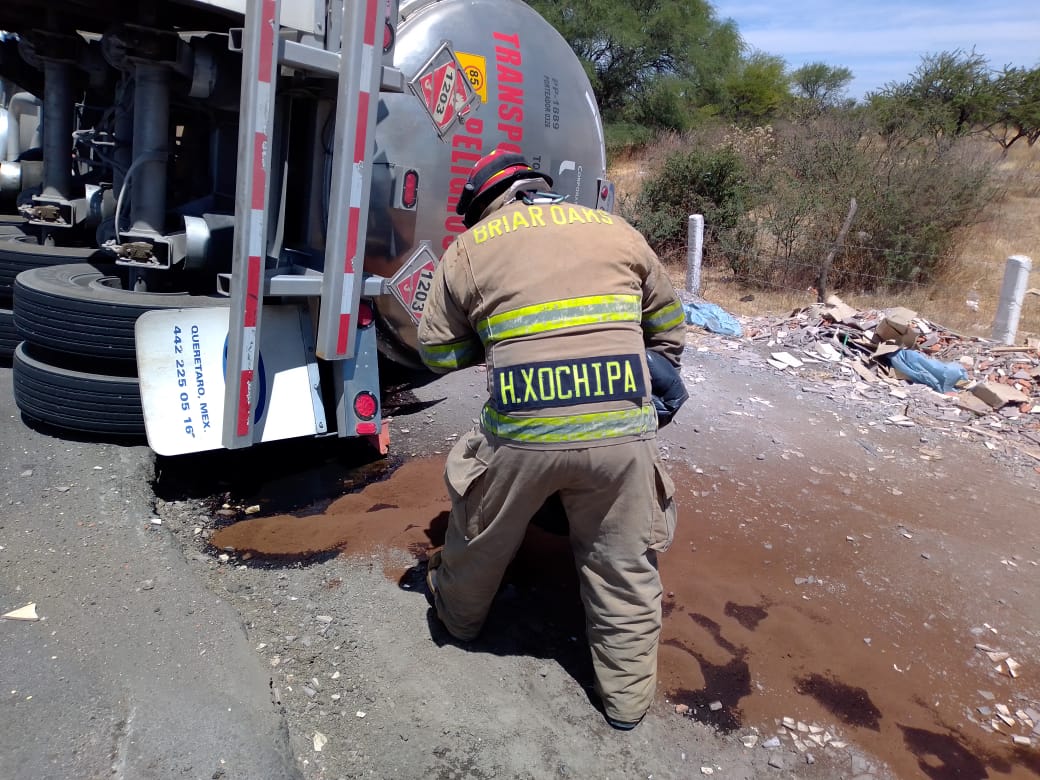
pixel 1012 292
pixel 694 253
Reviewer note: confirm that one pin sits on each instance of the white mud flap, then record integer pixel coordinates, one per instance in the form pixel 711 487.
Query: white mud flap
pixel 181 356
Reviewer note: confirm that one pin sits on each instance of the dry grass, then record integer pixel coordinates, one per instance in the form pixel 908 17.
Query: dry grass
pixel 1011 226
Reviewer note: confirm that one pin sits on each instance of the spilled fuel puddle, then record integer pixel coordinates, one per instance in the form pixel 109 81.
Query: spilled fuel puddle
pixel 791 593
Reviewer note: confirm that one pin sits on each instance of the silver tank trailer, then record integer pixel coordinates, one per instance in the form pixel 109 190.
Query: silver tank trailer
pixel 531 95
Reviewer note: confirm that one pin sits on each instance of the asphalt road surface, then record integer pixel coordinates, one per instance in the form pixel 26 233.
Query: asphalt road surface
pixel 829 568
pixel 134 670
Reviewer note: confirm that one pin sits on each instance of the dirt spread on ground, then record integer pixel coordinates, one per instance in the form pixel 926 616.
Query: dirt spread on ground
pixel 830 597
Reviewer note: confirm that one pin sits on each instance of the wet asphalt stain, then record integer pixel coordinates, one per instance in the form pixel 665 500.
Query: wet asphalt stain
pixel 748 615
pixel 746 628
pixel 725 684
pixel 851 705
pixel 946 755
pixel 281 476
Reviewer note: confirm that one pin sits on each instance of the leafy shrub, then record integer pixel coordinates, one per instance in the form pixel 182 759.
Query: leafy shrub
pixel 912 196
pixel 621 139
pixel 711 182
pixel 774 200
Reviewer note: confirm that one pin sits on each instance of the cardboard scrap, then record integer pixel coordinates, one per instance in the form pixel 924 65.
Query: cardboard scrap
pixel 28 612
pixel 972 403
pixel 837 310
pixel 897 327
pixel 787 359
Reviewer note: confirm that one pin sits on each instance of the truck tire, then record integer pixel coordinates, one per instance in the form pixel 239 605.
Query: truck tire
pixel 21 252
pixel 82 309
pixel 8 336
pixel 75 400
pixel 12 225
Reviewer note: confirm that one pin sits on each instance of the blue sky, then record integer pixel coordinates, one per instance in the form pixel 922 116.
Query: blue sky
pixel 882 41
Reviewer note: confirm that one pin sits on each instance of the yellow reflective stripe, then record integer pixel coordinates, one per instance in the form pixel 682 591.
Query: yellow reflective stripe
pixel 555 315
pixel 665 318
pixel 572 427
pixel 455 354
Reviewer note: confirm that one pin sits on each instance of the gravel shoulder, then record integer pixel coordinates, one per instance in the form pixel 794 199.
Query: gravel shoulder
pixel 333 666
pixel 135 669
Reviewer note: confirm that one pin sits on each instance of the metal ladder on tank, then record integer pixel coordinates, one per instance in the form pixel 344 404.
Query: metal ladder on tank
pixel 362 69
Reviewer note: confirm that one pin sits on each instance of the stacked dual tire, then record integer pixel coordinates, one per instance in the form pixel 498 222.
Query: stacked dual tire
pixel 10 230
pixel 20 252
pixel 74 360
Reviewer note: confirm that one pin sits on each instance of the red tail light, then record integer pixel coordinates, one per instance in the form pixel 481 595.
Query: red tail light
pixel 365 405
pixel 410 190
pixel 365 315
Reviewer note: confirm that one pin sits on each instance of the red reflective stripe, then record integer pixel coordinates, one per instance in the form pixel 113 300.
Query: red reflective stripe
pixel 252 292
pixel 344 328
pixel 267 28
pixel 259 172
pixel 353 217
pixel 371 22
pixel 361 137
pixel 243 402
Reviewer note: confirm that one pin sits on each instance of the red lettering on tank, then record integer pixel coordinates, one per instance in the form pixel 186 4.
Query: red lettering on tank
pixel 506 113
pixel 510 95
pixel 470 142
pixel 513 133
pixel 467 148
pixel 454 226
pixel 501 53
pixel 509 64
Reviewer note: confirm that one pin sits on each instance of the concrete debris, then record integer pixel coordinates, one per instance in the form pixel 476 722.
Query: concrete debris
pixel 998 395
pixel 998 403
pixel 28 612
pixel 319 740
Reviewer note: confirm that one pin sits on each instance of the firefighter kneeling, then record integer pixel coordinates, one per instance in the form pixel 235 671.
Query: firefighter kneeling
pixel 563 302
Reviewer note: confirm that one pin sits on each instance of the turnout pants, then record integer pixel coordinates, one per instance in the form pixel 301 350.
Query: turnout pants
pixel 619 505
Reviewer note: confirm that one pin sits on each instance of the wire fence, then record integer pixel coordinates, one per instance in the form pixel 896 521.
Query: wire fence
pixel 983 284
pixel 776 264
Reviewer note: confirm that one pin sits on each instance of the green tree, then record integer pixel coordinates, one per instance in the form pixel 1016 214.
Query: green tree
pixel 756 89
pixel 950 94
pixel 1018 107
pixel 626 46
pixel 821 85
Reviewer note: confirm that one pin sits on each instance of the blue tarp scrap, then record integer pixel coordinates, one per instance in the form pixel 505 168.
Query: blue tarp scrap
pixel 712 317
pixel 918 367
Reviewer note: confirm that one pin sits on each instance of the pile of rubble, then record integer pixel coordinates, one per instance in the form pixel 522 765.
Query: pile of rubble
pixel 983 389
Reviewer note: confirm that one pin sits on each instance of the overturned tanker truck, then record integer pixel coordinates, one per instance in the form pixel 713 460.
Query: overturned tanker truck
pixel 220 217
